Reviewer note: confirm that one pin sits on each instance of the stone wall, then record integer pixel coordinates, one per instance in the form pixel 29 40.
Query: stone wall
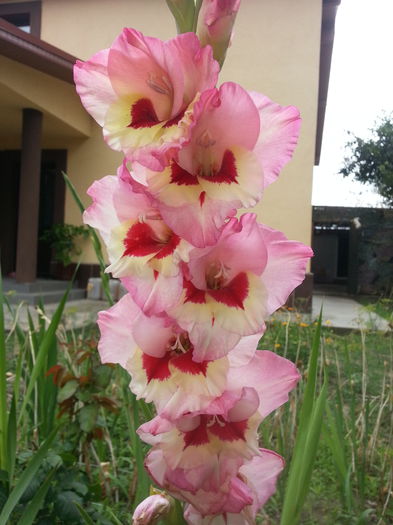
pixel 372 250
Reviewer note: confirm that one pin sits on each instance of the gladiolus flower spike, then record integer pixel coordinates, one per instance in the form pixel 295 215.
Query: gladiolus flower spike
pixel 200 282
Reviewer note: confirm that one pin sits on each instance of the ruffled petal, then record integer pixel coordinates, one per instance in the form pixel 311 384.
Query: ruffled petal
pixel 280 126
pixel 94 86
pixel 117 344
pixel 285 269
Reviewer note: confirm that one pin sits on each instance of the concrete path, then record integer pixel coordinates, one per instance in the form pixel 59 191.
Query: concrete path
pixel 343 312
pixel 338 312
pixel 76 313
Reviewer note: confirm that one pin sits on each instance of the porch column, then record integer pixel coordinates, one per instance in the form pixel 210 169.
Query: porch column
pixel 29 196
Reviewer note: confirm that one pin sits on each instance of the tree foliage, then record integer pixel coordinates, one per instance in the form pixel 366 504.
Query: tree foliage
pixel 371 161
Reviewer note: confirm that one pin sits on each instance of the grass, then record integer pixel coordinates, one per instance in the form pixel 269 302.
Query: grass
pixel 352 478
pixel 93 462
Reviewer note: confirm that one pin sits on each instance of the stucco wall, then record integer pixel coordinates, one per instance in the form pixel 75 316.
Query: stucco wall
pixel 275 51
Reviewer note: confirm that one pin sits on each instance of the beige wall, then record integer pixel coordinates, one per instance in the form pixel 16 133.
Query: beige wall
pixel 275 51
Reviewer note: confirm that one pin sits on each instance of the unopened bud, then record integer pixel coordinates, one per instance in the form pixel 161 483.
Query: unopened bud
pixel 150 510
pixel 215 24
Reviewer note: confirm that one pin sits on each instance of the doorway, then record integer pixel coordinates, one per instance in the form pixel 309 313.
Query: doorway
pixel 51 208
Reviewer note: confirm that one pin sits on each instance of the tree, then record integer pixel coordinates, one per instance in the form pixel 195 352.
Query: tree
pixel 371 161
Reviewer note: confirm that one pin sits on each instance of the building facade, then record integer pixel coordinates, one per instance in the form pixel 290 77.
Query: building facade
pixel 281 48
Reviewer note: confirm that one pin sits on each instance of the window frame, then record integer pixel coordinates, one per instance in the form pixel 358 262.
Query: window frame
pixel 33 9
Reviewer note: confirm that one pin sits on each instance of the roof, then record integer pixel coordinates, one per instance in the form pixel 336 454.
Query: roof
pixel 34 52
pixel 329 10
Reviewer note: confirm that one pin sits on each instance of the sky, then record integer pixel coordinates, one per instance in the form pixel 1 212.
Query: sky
pixel 360 89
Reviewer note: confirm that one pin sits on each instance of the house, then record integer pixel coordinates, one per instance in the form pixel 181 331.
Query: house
pixel 281 48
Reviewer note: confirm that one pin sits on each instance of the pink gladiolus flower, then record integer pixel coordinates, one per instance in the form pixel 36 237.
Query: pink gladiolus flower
pixel 215 23
pixel 159 357
pixel 150 510
pixel 197 450
pixel 225 166
pixel 216 172
pixel 256 479
pixel 230 288
pixel 141 91
pixel 141 247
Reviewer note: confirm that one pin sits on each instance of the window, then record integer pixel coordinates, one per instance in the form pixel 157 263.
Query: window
pixel 25 15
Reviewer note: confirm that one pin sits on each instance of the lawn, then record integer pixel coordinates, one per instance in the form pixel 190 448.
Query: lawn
pixel 89 471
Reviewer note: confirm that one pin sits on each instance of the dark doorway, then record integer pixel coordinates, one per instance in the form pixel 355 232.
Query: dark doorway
pixel 51 211
pixel 330 263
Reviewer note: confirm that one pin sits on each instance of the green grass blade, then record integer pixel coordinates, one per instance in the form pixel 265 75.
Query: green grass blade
pixel 309 392
pixel 11 438
pixel 312 442
pixel 36 503
pixel 26 478
pixel 336 445
pixel 143 486
pixel 86 518
pixel 18 330
pixel 307 438
pixel 114 519
pixel 48 340
pixel 3 386
pixel 95 240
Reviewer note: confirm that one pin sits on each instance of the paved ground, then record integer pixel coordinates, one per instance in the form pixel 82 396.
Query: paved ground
pixel 343 312
pixel 337 312
pixel 76 313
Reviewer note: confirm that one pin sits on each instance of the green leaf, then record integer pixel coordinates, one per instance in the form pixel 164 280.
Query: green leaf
pixel 67 391
pixel 183 12
pixel 26 477
pixel 102 375
pixel 86 518
pixel 36 503
pixel 47 341
pixel 87 417
pixel 94 239
pixel 307 439
pixel 12 439
pixel 3 386
pixel 66 506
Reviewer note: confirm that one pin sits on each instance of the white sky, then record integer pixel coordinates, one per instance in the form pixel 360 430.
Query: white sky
pixel 360 89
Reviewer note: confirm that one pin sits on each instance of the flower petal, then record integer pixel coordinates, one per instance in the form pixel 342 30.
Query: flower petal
pixel 280 126
pixel 285 269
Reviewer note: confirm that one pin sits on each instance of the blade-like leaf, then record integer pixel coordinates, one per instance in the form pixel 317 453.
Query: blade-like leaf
pixel 11 452
pixel 183 13
pixel 47 341
pixel 307 438
pixel 26 478
pixel 3 386
pixel 143 486
pixel 95 240
pixel 86 518
pixel 35 504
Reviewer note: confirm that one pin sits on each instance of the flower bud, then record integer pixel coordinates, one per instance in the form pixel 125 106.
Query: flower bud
pixel 215 23
pixel 150 510
pixel 183 12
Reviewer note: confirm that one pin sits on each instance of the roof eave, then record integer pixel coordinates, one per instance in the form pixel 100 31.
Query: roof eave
pixel 34 52
pixel 329 10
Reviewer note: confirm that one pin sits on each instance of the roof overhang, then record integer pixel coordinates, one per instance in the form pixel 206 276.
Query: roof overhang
pixel 34 52
pixel 329 10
